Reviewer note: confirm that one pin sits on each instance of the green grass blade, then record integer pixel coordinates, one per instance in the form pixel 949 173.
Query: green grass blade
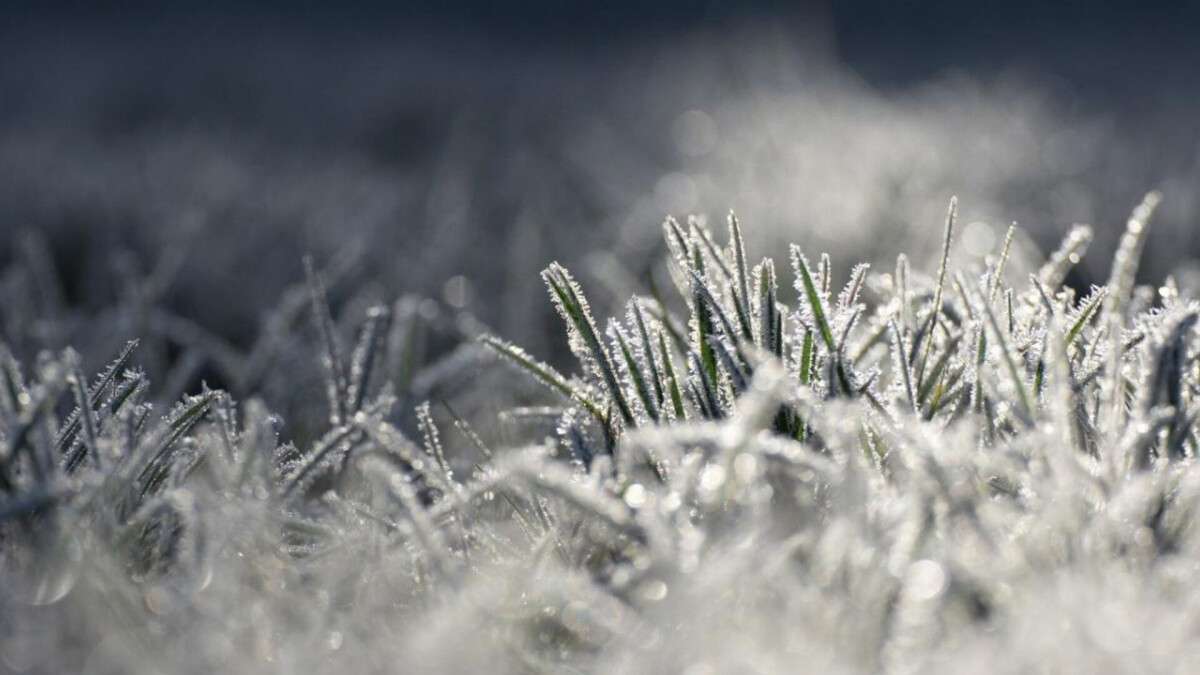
pixel 647 347
pixel 936 310
pixel 1085 315
pixel 741 294
pixel 1010 363
pixel 808 289
pixel 634 368
pixel 672 378
pixel 573 307
pixel 542 373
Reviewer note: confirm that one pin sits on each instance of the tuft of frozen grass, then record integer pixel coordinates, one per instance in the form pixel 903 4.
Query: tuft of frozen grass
pixel 939 473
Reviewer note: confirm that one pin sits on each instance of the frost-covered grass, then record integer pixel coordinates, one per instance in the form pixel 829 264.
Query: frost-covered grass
pixel 939 472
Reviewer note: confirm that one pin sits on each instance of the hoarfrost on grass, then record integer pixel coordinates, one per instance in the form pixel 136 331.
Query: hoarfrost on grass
pixel 923 473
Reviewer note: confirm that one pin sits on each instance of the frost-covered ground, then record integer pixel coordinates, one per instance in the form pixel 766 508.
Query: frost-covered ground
pixel 409 453
pixel 919 473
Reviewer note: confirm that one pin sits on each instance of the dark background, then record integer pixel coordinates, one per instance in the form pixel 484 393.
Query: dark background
pixel 890 42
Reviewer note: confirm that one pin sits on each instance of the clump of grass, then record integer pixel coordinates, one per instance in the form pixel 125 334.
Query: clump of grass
pixel 917 474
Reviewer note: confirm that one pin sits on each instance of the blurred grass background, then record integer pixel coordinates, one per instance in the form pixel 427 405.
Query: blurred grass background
pixel 464 144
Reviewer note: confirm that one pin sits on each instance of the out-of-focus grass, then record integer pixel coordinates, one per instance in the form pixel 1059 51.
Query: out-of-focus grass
pixel 461 173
